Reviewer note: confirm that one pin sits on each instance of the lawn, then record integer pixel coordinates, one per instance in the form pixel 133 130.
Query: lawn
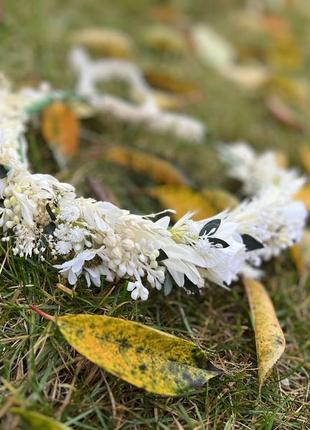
pixel 37 367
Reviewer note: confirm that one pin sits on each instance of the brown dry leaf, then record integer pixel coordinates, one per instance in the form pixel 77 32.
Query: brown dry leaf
pixel 304 156
pixel 143 356
pixel 105 42
pixel 220 199
pixel 304 195
pixel 183 200
pixel 60 127
pixel 154 167
pixel 283 113
pixel 269 338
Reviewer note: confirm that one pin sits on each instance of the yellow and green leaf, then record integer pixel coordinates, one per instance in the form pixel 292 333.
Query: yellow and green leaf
pixel 143 356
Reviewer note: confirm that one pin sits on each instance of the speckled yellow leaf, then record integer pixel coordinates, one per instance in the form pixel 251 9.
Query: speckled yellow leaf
pixel 269 338
pixel 60 127
pixel 154 167
pixel 304 195
pixel 183 200
pixel 304 155
pixel 36 421
pixel 220 199
pixel 145 357
pixel 104 41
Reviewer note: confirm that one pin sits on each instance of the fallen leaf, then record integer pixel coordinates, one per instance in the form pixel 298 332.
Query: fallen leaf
pixel 304 252
pixel 297 258
pixel 304 195
pixel 220 199
pixel 165 39
pixel 168 81
pixel 304 156
pixel 105 42
pixel 183 200
pixel 154 167
pixel 283 113
pixel 212 48
pixel 269 338
pixel 37 421
pixel 60 127
pixel 249 77
pixel 143 356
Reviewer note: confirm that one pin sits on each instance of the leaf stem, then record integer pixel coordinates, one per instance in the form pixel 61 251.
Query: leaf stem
pixel 42 313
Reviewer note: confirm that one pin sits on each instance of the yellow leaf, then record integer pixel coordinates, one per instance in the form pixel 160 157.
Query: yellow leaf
pixel 220 199
pixel 168 81
pixel 165 39
pixel 38 421
pixel 154 167
pixel 297 258
pixel 107 42
pixel 304 155
pixel 269 338
pixel 300 253
pixel 183 200
pixel 60 127
pixel 145 357
pixel 304 195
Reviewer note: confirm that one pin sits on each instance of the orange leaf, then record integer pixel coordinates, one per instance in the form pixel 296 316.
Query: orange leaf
pixel 60 127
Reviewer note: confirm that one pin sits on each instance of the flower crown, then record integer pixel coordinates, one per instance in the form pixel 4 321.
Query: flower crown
pixel 43 218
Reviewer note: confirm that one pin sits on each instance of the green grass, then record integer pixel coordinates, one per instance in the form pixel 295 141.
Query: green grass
pixel 38 369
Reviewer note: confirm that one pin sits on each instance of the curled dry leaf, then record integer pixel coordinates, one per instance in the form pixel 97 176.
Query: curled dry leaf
pixel 154 167
pixel 61 128
pixel 183 200
pixel 37 421
pixel 269 338
pixel 143 356
pixel 106 42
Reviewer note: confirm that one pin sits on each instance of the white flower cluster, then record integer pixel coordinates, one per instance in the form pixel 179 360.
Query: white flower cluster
pixel 43 218
pixel 272 216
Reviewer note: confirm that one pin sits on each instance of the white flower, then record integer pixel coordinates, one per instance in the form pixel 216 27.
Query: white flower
pixel 273 219
pixel 138 290
pixel 68 210
pixel 63 247
pixel 73 268
pixel 258 172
